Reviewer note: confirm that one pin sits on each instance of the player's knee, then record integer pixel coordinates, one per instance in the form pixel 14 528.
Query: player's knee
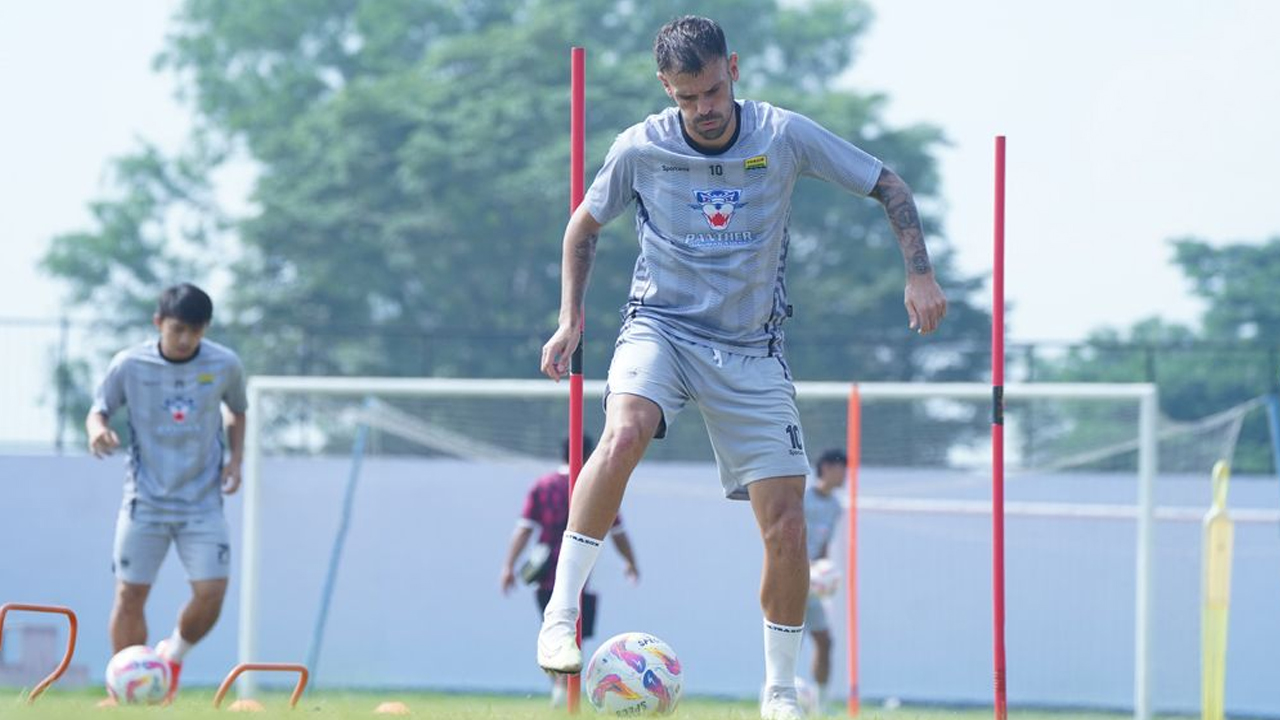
pixel 131 599
pixel 786 533
pixel 210 592
pixel 625 442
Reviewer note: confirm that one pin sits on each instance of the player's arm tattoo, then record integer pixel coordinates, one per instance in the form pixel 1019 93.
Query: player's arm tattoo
pixel 900 206
pixel 584 255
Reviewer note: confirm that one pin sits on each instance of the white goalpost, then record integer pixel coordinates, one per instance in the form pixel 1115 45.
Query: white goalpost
pixel 934 400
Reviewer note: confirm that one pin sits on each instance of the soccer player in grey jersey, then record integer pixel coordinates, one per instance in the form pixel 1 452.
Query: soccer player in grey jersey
pixel 711 179
pixel 822 512
pixel 178 468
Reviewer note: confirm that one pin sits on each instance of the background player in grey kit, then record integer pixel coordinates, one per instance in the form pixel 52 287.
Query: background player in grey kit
pixel 822 513
pixel 712 180
pixel 178 467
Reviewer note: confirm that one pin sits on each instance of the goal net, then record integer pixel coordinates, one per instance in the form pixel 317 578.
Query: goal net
pixel 445 464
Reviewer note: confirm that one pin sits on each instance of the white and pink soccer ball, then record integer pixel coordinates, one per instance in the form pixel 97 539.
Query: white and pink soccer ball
pixel 138 676
pixel 824 578
pixel 634 674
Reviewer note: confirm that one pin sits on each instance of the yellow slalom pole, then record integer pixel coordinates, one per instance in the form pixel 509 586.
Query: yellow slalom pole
pixel 1219 531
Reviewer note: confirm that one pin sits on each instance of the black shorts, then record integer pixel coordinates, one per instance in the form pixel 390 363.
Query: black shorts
pixel 588 610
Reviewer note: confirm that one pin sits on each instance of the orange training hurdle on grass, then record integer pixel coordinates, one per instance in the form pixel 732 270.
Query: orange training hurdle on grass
pixel 71 640
pixel 303 675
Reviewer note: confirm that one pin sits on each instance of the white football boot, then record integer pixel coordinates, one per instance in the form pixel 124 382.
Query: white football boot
pixel 780 704
pixel 558 650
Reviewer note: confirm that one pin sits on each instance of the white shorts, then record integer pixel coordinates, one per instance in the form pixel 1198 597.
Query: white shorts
pixel 747 402
pixel 203 544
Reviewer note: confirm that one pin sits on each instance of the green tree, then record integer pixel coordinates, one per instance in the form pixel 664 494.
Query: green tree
pixel 411 186
pixel 1200 371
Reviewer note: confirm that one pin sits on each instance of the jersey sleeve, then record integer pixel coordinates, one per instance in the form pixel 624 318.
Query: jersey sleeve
pixel 531 515
pixel 822 154
pixel 614 187
pixel 110 396
pixel 235 395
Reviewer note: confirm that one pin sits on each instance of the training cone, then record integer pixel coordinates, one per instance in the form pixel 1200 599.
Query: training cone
pixel 246 705
pixel 394 707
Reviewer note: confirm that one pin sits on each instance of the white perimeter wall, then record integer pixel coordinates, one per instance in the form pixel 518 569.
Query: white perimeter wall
pixel 417 601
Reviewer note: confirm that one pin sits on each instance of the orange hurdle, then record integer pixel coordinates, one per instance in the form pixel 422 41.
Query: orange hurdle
pixel 71 640
pixel 303 675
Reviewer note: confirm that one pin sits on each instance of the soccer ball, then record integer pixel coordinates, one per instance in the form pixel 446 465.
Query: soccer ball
pixel 633 674
pixel 824 578
pixel 137 675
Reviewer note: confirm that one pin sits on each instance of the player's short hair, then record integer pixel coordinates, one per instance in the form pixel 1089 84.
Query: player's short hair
pixel 588 445
pixel 187 303
pixel 830 457
pixel 686 44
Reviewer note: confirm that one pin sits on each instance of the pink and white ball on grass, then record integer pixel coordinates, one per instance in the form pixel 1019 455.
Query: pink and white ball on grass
pixel 634 674
pixel 138 676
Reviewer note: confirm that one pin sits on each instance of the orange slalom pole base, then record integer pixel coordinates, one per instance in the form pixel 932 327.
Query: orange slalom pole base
pixel 303 676
pixel 71 640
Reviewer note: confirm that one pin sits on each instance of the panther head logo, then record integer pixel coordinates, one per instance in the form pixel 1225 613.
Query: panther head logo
pixel 717 206
pixel 179 407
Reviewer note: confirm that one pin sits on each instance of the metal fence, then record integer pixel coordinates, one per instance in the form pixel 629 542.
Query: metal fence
pixel 50 365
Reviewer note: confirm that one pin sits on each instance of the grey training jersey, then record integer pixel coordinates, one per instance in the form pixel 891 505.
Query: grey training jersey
pixel 175 420
pixel 713 228
pixel 821 515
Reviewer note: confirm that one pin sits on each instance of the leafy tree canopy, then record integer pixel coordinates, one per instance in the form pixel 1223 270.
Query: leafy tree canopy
pixel 410 189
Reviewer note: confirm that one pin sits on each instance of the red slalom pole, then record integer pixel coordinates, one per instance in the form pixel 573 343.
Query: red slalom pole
pixel 997 438
pixel 577 149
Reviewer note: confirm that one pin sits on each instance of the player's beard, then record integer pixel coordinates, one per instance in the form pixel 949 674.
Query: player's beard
pixel 714 133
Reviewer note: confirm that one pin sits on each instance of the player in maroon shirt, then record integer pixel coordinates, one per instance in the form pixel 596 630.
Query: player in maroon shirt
pixel 546 511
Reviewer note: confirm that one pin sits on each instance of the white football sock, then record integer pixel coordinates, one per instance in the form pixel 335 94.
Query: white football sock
pixel 177 648
pixel 578 555
pixel 781 650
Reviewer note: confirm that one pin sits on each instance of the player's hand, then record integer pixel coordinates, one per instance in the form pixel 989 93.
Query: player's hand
pixel 926 305
pixel 632 574
pixel 558 351
pixel 507 580
pixel 103 442
pixel 230 478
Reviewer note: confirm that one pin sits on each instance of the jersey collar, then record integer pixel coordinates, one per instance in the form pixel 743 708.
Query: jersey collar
pixel 699 147
pixel 171 361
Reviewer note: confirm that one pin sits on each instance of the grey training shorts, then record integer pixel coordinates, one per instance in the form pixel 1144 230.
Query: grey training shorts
pixel 815 614
pixel 747 402
pixel 203 545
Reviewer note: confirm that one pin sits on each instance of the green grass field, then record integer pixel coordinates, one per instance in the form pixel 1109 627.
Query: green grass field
pixel 198 703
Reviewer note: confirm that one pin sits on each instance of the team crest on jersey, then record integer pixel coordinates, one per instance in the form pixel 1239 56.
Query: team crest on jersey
pixel 717 206
pixel 180 407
